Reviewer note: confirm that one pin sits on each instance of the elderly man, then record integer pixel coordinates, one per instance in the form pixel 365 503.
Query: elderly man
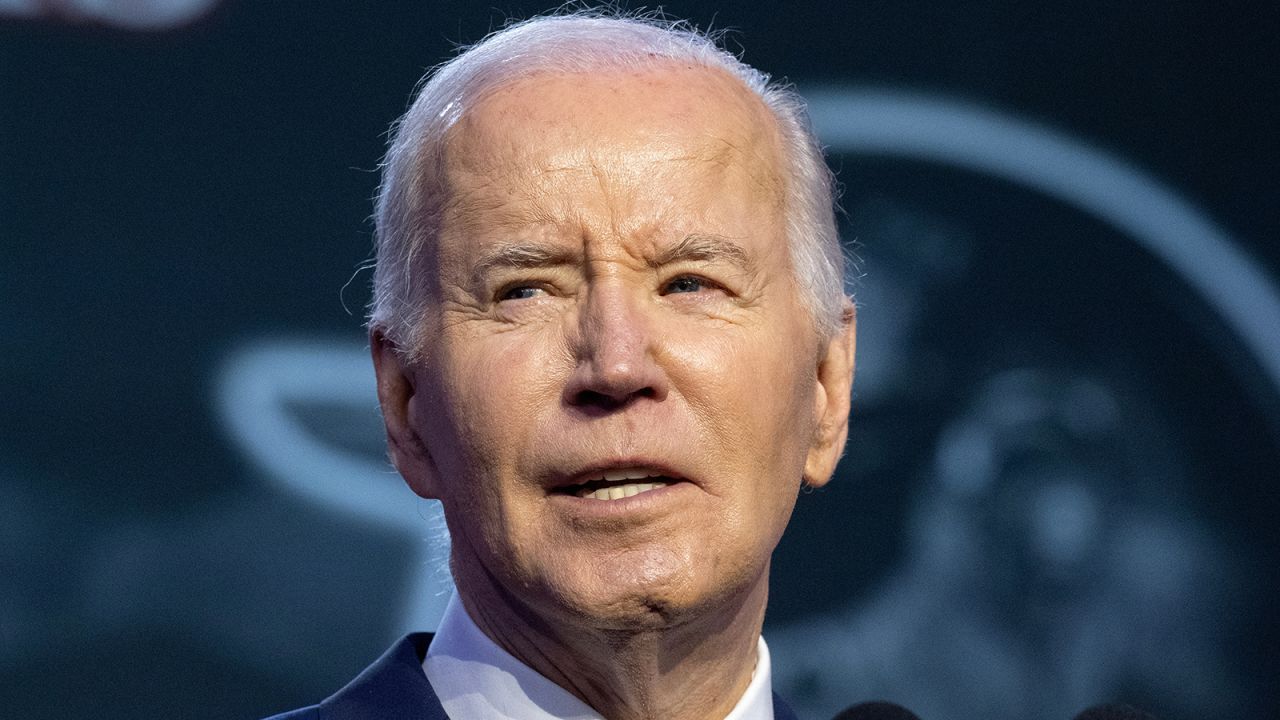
pixel 611 337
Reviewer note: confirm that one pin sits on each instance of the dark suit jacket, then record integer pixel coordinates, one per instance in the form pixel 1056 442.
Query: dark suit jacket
pixel 396 688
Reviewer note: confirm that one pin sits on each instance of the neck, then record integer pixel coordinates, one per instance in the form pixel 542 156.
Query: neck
pixel 692 669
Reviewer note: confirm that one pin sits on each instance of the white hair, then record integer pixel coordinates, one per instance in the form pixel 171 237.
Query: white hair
pixel 413 191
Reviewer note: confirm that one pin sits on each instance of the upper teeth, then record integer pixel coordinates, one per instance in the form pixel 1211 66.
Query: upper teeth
pixel 629 474
pixel 618 492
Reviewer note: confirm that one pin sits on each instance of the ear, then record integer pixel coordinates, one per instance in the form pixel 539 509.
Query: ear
pixel 832 399
pixel 397 387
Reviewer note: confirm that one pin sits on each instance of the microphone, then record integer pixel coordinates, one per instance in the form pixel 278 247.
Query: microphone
pixel 880 710
pixel 1114 712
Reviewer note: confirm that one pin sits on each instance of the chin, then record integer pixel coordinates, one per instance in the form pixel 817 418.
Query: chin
pixel 649 595
pixel 637 610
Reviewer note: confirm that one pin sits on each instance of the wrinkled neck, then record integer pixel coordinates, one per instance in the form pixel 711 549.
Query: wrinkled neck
pixel 695 668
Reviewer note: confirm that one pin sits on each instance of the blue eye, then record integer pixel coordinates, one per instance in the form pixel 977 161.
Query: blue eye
pixel 685 284
pixel 521 292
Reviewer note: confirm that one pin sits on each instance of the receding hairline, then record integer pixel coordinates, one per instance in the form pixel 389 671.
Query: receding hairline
pixel 756 136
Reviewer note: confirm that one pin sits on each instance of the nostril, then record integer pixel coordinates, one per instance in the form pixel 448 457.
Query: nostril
pixel 594 399
pixel 606 401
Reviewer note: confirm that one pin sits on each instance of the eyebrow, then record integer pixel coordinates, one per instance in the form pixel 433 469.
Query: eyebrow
pixel 705 248
pixel 522 256
pixel 696 247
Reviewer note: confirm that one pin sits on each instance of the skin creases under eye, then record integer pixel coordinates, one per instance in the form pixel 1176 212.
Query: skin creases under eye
pixel 523 301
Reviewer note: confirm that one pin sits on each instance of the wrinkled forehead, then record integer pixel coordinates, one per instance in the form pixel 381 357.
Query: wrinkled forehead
pixel 617 121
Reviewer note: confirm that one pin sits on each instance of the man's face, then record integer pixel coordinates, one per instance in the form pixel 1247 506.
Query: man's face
pixel 620 388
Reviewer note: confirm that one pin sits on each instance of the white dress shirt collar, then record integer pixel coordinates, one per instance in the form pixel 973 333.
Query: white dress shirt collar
pixel 477 680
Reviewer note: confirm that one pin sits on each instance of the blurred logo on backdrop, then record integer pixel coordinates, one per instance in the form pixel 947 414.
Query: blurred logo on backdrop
pixel 128 14
pixel 306 412
pixel 1043 563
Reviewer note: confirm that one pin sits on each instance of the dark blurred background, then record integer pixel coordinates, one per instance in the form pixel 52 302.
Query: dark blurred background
pixel 1061 479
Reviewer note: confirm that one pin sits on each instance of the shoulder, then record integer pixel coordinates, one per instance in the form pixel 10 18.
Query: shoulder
pixel 394 686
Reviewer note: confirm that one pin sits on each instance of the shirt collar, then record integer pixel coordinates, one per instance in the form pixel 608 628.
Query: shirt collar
pixel 477 680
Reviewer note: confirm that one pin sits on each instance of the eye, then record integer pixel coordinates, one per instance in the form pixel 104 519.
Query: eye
pixel 685 284
pixel 521 292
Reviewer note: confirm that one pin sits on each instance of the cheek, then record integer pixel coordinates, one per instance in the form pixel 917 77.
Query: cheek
pixel 491 391
pixel 754 399
pixel 753 391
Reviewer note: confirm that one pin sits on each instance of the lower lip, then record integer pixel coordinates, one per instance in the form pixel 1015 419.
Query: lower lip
pixel 650 501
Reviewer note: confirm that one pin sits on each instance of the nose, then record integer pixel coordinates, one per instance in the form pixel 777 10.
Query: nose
pixel 613 350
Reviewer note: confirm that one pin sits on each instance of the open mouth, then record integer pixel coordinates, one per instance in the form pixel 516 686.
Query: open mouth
pixel 618 484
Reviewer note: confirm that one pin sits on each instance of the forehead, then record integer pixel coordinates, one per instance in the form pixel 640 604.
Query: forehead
pixel 627 127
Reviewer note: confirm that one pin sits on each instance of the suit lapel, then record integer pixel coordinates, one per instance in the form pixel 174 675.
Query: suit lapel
pixel 781 710
pixel 392 687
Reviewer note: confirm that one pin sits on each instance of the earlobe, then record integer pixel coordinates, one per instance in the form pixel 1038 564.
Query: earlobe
pixel 397 390
pixel 832 400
